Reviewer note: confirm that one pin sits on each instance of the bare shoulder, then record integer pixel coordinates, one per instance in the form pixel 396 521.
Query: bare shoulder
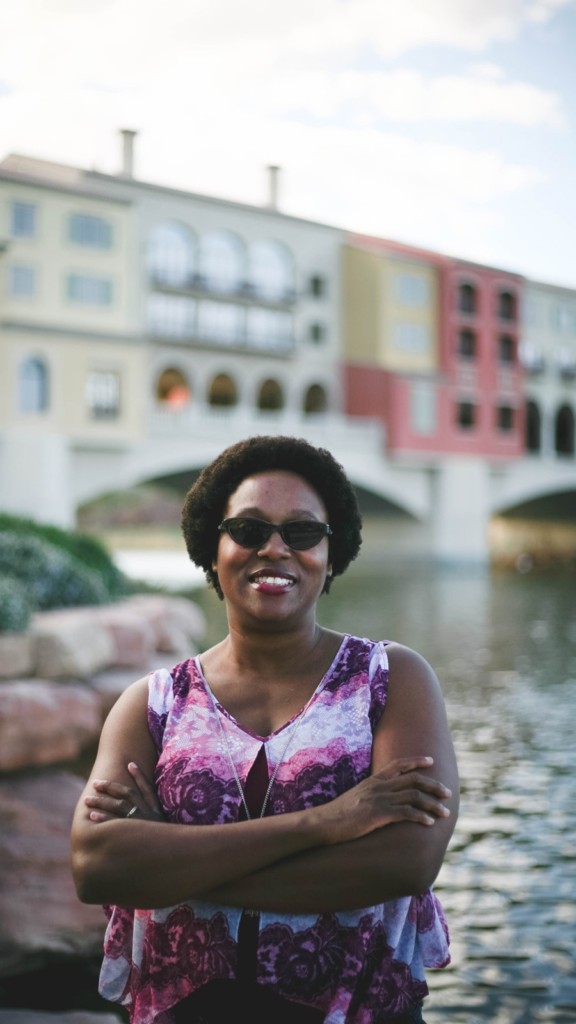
pixel 409 668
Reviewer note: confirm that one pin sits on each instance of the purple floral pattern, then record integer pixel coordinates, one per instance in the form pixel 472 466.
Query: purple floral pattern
pixel 357 967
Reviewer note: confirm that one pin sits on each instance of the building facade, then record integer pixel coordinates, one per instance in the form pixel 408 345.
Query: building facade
pixel 431 347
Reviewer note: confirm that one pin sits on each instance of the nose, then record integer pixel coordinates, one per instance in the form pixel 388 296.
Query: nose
pixel 275 545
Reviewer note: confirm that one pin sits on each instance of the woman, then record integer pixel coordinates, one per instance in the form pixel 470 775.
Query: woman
pixel 307 753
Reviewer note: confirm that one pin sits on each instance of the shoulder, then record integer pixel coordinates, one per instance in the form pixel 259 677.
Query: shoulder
pixel 410 674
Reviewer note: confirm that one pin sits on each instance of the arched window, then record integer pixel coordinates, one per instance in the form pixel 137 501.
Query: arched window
pixel 467 344
pixel 33 385
pixel 315 399
pixel 221 262
pixel 467 298
pixel 506 305
pixel 271 269
pixel 173 388
pixel 222 391
pixel 533 427
pixel 564 431
pixel 506 349
pixel 171 255
pixel 270 395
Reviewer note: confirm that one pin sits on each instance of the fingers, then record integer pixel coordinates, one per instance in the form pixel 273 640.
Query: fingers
pixel 112 800
pixel 145 787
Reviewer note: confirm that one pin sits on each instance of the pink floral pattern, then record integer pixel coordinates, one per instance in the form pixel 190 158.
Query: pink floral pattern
pixel 358 967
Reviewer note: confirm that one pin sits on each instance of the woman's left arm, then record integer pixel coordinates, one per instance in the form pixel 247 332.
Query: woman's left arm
pixel 398 860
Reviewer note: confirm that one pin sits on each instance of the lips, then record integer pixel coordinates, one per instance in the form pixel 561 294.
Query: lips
pixel 272 581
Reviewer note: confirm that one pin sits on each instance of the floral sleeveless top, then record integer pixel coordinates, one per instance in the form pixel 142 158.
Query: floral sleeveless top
pixel 357 967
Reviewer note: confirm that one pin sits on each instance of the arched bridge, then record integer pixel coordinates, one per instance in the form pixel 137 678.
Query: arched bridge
pixel 444 503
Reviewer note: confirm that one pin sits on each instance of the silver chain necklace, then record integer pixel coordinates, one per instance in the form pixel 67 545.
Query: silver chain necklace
pixel 281 759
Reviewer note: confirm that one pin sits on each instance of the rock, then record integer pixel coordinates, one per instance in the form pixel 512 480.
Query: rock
pixel 44 722
pixel 16 655
pixel 178 624
pixel 133 635
pixel 71 644
pixel 111 683
pixel 40 915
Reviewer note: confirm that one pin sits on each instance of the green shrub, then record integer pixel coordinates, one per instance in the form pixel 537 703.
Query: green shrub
pixel 89 551
pixel 15 607
pixel 53 578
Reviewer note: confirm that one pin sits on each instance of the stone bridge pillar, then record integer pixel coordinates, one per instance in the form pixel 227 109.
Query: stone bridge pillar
pixel 460 503
pixel 35 477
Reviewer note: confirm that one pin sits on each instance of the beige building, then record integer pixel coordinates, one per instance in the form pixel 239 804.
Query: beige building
pixel 548 353
pixel 133 312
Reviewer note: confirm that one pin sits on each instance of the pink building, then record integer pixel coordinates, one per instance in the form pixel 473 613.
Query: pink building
pixel 431 349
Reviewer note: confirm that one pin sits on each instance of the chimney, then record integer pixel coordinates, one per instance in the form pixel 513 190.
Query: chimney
pixel 128 137
pixel 273 173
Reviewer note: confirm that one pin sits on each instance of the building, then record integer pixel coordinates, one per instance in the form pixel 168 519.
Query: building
pixel 548 353
pixel 431 347
pixel 132 310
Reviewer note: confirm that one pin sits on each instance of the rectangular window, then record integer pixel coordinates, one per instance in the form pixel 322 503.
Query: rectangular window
pixel 103 395
pixel 505 418
pixel 318 286
pixel 88 290
pixel 92 232
pixel 411 289
pixel 423 409
pixel 411 337
pixel 21 280
pixel 221 322
pixel 172 316
pixel 466 415
pixel 22 220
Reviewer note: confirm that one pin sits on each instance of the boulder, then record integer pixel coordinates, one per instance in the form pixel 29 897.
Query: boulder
pixel 71 644
pixel 16 655
pixel 40 915
pixel 133 636
pixel 178 624
pixel 44 722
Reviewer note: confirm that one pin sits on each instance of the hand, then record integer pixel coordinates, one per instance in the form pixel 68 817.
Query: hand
pixel 114 800
pixel 398 792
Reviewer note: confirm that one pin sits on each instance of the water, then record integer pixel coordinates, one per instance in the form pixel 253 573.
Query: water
pixel 504 647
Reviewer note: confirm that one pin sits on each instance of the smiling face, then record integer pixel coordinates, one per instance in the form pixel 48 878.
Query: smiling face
pixel 273 583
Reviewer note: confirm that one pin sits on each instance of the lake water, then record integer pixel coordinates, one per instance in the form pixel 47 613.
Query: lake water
pixel 504 647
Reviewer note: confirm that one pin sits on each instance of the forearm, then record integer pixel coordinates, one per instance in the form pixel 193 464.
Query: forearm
pixel 151 864
pixel 395 861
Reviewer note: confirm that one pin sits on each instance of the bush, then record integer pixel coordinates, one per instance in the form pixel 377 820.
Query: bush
pixel 89 551
pixel 52 577
pixel 15 607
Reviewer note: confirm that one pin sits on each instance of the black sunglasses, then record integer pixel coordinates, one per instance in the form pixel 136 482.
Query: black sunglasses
pixel 300 534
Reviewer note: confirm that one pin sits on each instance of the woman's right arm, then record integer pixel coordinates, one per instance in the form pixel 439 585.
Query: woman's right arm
pixel 145 863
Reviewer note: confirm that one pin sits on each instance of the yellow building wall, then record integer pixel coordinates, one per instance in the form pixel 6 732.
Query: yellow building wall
pixel 382 328
pixel 55 256
pixel 400 318
pixel 361 282
pixel 69 363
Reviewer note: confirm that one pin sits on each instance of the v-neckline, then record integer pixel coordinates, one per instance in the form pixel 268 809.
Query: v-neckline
pixel 301 711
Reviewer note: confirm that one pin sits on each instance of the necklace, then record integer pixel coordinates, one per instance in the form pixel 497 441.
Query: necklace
pixel 293 729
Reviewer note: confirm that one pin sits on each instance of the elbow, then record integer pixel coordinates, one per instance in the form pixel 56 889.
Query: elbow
pixel 86 880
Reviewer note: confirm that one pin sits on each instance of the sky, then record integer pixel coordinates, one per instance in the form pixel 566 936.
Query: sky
pixel 445 124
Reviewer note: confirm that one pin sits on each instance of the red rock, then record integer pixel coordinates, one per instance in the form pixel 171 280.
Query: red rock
pixel 44 722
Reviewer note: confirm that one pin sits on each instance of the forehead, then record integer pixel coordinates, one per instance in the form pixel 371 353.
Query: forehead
pixel 275 492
